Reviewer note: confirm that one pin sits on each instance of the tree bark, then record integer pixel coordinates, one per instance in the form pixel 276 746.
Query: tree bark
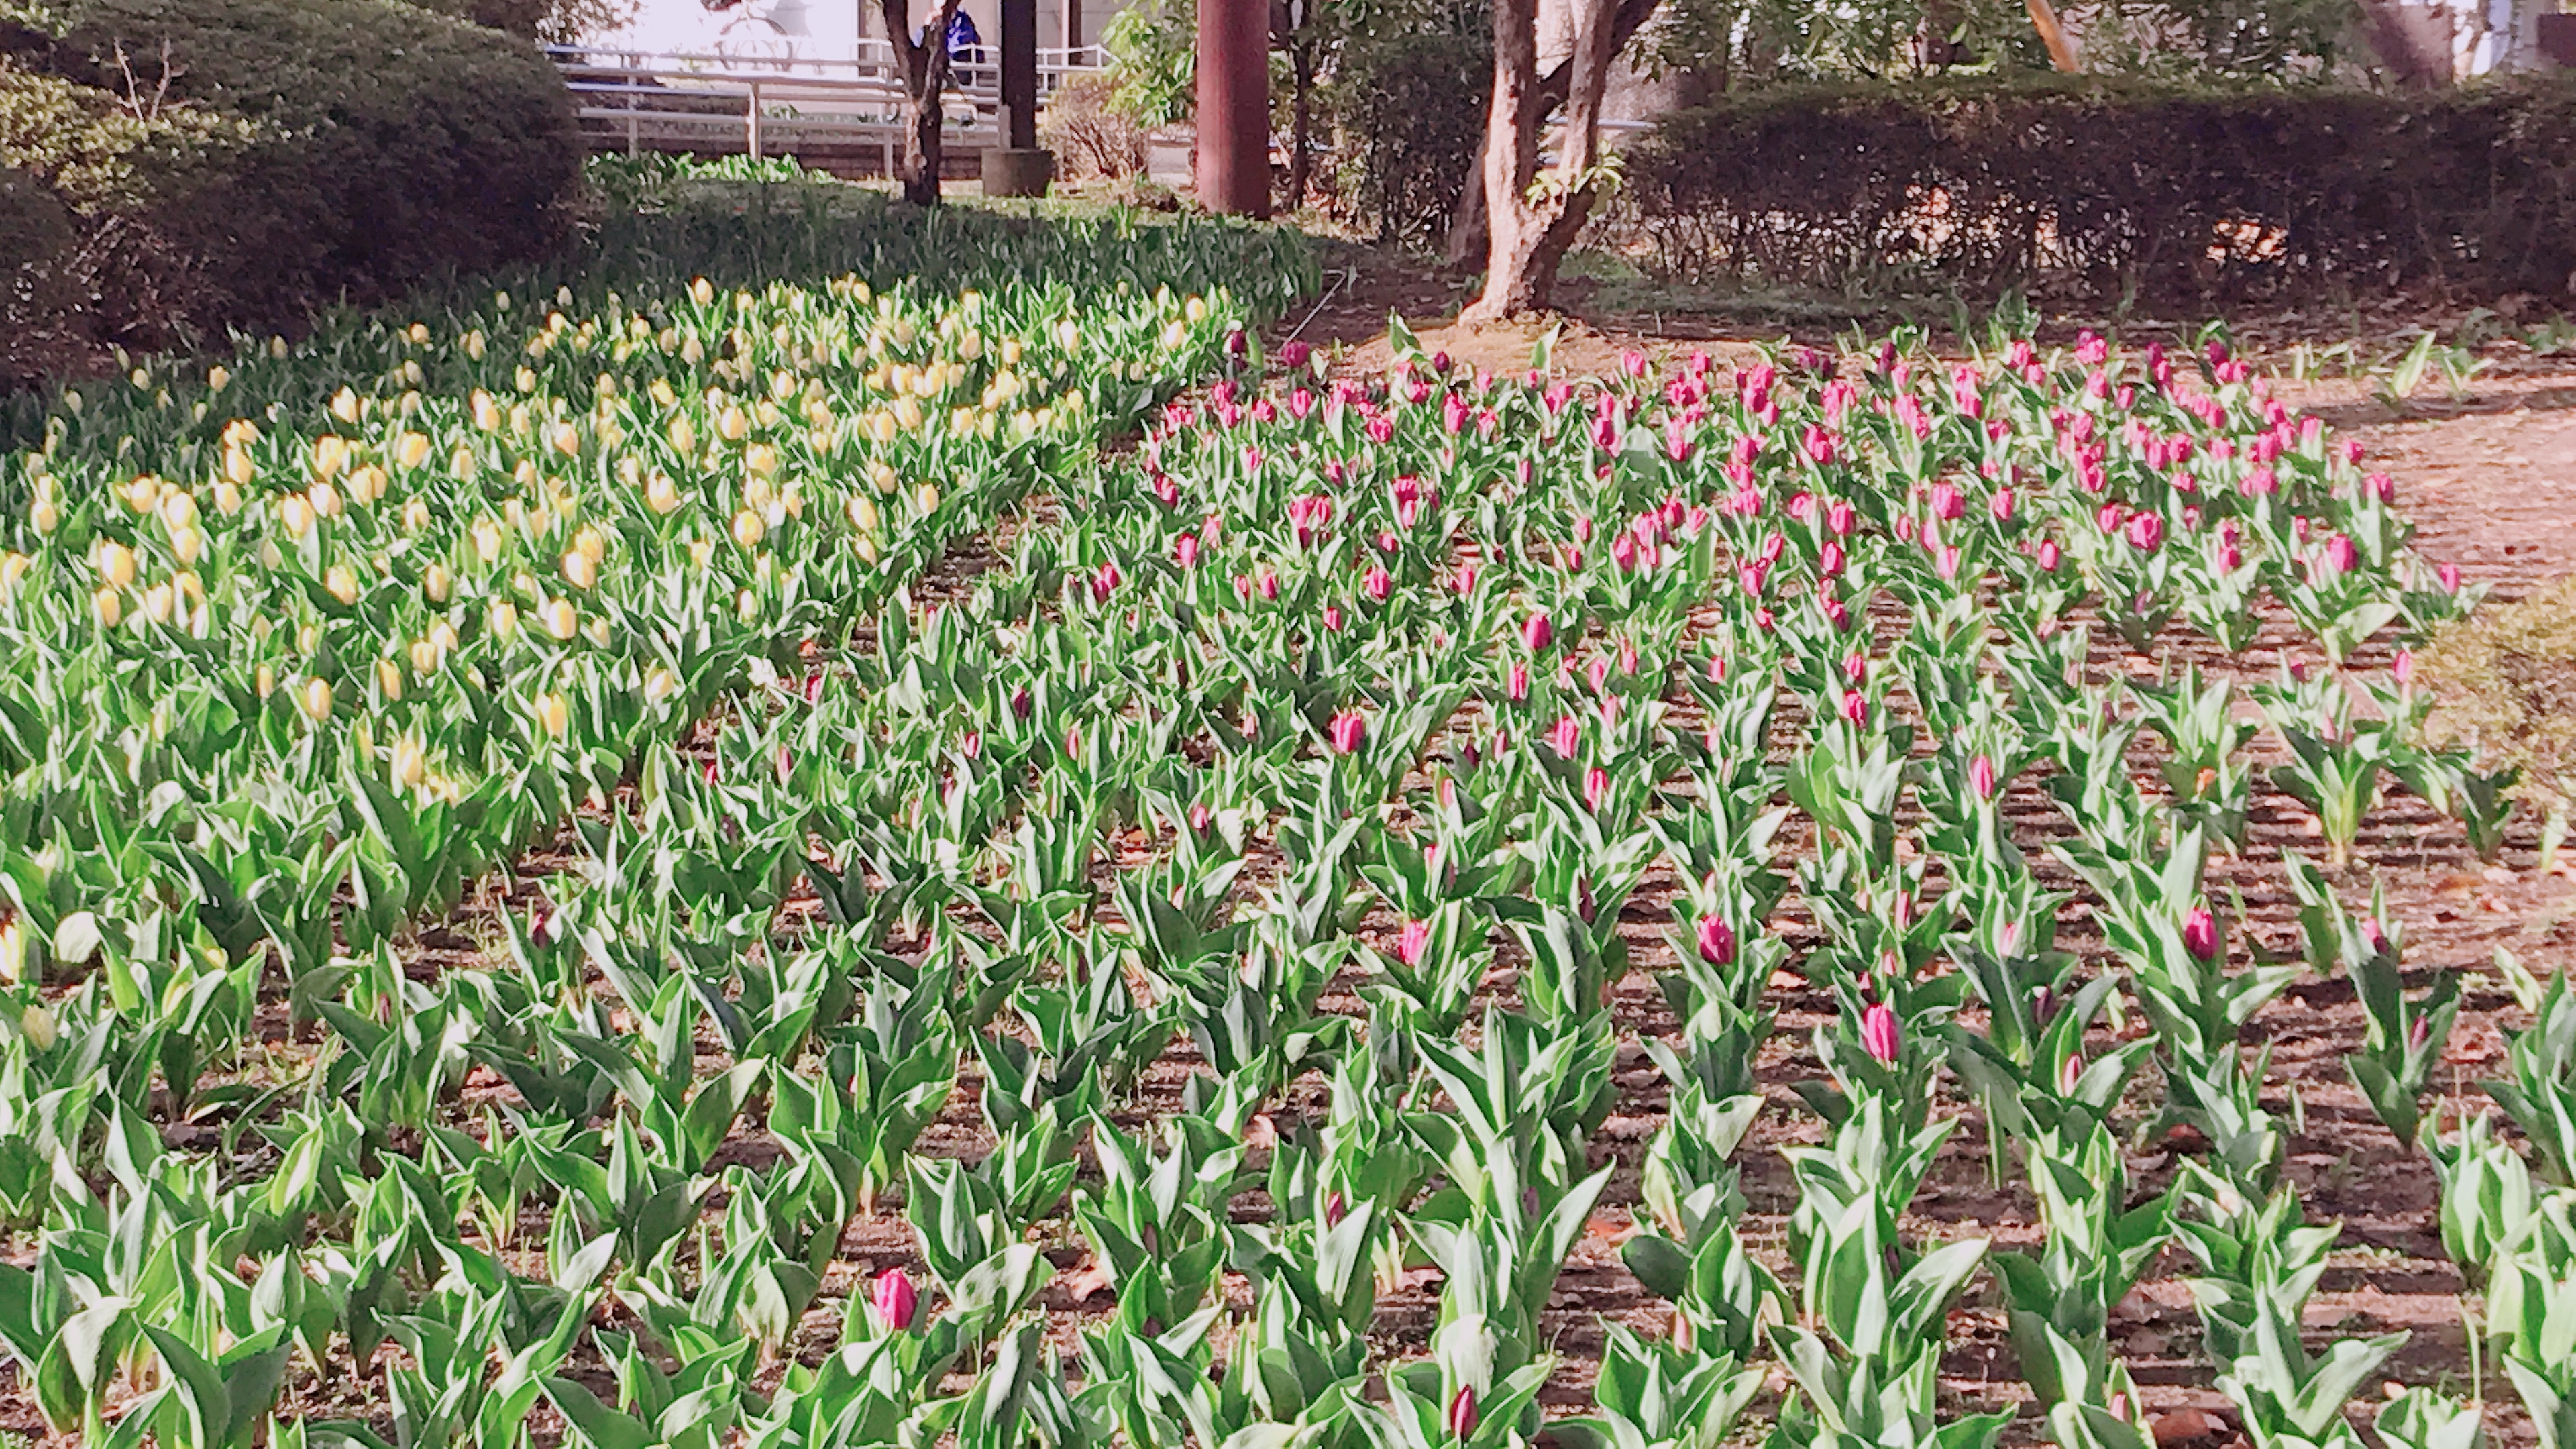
pixel 923 69
pixel 1532 220
pixel 1468 233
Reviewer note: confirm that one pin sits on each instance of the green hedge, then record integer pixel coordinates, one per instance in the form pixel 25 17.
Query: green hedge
pixel 248 160
pixel 2187 196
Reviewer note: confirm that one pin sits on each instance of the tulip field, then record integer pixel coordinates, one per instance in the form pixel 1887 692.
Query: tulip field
pixel 866 862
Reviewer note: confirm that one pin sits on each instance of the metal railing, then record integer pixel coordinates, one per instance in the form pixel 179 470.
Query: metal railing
pixel 766 96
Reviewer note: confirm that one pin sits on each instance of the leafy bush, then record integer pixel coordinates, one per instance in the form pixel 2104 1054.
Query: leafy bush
pixel 256 157
pixel 2118 189
pixel 1153 60
pixel 1410 109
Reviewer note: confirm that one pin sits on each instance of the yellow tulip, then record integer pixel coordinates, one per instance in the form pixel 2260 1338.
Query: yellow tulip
pixel 424 658
pixel 110 605
pixel 731 425
pixel 660 494
pixel 409 766
pixel 228 499
pixel 661 392
pixel 505 619
pixel 389 679
pixel 157 603
pixel 265 681
pixel 187 545
pixel 702 291
pixel 443 635
pixel 415 516
pixel 308 638
pixel 562 619
pixel 702 551
pixel 341 582
pixel 44 516
pixel 116 564
pixel 578 569
pixel 748 529
pixel 367 484
pixel 867 547
pixel 13 567
pixel 761 460
pixel 487 540
pixel 554 716
pixel 566 439
pixel 141 494
pixel 487 413
pixel 659 684
pixel 218 377
pixel 684 435
pixel 317 700
pixel 926 497
pixel 437 582
pixel 525 379
pixel 596 631
pixel 37 1025
pixel 330 452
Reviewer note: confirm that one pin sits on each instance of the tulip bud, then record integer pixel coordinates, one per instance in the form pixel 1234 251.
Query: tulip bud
pixel 1536 632
pixel 895 1299
pixel 1981 776
pixel 1462 1413
pixel 2200 933
pixel 1879 1034
pixel 1716 941
pixel 553 714
pixel 1349 732
pixel 37 1025
pixel 1336 1208
pixel 317 699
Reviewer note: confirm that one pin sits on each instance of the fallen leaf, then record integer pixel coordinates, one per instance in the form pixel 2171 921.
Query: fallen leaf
pixel 1092 1277
pixel 2182 1425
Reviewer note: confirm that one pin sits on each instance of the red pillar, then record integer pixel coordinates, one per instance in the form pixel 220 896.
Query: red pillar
pixel 1234 106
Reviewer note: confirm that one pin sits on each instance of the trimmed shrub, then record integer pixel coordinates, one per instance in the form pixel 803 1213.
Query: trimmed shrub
pixel 2106 190
pixel 1410 111
pixel 253 159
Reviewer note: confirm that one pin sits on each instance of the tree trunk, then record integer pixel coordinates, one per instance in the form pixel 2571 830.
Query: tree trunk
pixel 1301 126
pixel 923 69
pixel 1468 231
pixel 1532 220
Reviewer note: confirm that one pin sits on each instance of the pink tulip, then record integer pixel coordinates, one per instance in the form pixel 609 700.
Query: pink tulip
pixel 1566 738
pixel 1516 682
pixel 1839 518
pixel 2342 555
pixel 1105 581
pixel 2200 933
pixel 1185 550
pixel 2001 506
pixel 1880 1036
pixel 1829 560
pixel 1411 941
pixel 1377 583
pixel 1855 708
pixel 1596 783
pixel 2070 1073
pixel 2146 530
pixel 1200 818
pixel 1333 618
pixel 1948 503
pixel 2048 556
pixel 2402 668
pixel 2449 576
pixel 1349 732
pixel 1536 632
pixel 1336 1208
pixel 1981 776
pixel 1716 942
pixel 896 1301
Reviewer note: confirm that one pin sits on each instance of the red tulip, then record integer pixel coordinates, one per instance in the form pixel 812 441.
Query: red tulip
pixel 896 1302
pixel 1377 583
pixel 1462 1414
pixel 1880 1035
pixel 2146 530
pixel 1537 632
pixel 1336 1208
pixel 1855 708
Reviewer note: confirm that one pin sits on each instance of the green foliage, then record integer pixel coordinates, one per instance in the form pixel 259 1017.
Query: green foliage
pixel 1153 60
pixel 1409 97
